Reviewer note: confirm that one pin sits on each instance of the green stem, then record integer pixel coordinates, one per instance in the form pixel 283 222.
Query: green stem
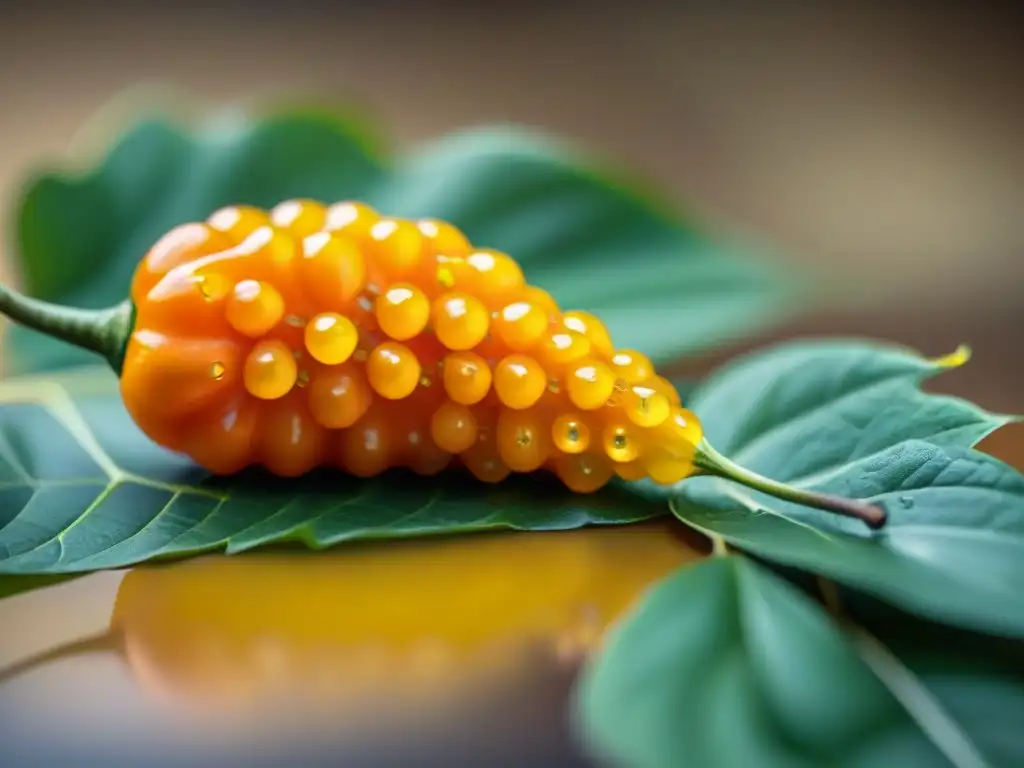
pixel 711 462
pixel 103 331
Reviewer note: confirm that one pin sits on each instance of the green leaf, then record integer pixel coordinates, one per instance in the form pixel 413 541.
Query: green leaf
pixel 82 234
pixel 81 488
pixel 661 285
pixel 725 664
pixel 592 239
pixel 849 419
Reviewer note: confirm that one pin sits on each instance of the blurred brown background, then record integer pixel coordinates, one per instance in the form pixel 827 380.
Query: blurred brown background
pixel 885 143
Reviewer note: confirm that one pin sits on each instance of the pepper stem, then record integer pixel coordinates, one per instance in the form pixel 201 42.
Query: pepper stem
pixel 711 462
pixel 103 331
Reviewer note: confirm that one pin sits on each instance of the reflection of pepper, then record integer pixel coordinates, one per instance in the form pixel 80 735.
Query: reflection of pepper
pixel 235 632
pixel 317 335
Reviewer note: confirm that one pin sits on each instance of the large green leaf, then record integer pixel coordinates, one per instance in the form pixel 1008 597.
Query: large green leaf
pixel 725 664
pixel 662 286
pixel 849 419
pixel 82 489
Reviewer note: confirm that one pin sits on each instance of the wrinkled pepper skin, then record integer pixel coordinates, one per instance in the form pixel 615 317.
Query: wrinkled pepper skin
pixel 331 335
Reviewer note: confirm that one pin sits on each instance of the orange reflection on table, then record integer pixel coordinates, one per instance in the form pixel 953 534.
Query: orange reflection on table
pixel 399 618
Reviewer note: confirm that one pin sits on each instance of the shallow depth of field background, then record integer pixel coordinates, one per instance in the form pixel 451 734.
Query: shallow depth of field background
pixel 886 146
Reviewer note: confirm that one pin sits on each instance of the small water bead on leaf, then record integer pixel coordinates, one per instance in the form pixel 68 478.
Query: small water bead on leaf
pixel 620 444
pixel 646 407
pixel 300 218
pixel 590 385
pixel 570 433
pixel 519 381
pixel 585 472
pixel 631 366
pixel 397 246
pixel 254 307
pixel 524 440
pixel 460 320
pixel 393 370
pixel 403 311
pixel 467 377
pixel 332 269
pixel 331 338
pixel 588 325
pixel 270 370
pixel 520 325
pixel 339 397
pixel 238 221
pixel 453 427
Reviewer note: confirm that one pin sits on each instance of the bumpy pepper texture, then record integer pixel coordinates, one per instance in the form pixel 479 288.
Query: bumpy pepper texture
pixel 331 335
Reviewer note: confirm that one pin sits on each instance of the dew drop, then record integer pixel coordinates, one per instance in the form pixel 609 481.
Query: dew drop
pixel 217 370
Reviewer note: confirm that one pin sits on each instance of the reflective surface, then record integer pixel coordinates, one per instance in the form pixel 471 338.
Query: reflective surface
pixel 404 653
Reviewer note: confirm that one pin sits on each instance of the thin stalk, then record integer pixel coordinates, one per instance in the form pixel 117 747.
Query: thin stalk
pixel 103 331
pixel 711 462
pixel 104 642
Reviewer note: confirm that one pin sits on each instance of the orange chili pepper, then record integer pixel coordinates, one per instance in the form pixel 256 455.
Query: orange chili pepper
pixel 314 335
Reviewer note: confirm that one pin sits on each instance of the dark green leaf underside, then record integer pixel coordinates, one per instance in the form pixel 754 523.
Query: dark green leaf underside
pixel 82 489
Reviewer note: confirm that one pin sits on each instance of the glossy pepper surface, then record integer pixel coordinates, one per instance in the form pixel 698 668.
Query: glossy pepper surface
pixel 331 335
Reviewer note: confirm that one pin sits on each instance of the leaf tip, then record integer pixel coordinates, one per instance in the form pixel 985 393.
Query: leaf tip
pixel 960 356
